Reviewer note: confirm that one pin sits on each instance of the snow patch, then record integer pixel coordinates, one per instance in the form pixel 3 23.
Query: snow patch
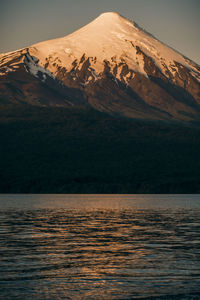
pixel 68 50
pixel 94 73
pixel 120 36
pixel 35 69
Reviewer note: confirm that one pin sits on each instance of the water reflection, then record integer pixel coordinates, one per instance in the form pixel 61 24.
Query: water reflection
pixel 99 253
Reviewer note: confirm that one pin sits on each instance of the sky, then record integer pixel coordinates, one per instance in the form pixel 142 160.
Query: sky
pixel 25 22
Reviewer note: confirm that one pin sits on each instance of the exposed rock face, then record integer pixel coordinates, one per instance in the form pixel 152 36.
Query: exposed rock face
pixel 112 65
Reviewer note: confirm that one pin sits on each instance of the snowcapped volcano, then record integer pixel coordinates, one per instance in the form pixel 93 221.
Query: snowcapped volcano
pixel 111 64
pixel 114 39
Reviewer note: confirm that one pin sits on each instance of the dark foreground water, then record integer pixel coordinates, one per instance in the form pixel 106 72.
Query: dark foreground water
pixel 99 247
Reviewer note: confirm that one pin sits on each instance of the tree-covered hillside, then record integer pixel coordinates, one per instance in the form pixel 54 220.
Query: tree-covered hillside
pixel 79 150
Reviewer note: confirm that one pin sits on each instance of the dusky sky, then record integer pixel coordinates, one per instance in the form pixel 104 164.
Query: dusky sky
pixel 25 22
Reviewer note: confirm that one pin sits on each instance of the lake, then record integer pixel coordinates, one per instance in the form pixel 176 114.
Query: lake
pixel 99 247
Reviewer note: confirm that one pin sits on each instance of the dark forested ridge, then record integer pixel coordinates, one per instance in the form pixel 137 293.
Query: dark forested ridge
pixel 80 150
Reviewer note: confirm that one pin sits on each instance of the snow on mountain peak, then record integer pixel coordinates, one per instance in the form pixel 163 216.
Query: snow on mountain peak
pixel 110 15
pixel 110 36
pixel 111 58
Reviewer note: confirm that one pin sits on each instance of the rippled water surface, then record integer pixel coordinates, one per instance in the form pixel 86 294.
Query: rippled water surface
pixel 99 247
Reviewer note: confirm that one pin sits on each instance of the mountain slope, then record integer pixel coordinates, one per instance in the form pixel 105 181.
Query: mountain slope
pixel 77 150
pixel 110 64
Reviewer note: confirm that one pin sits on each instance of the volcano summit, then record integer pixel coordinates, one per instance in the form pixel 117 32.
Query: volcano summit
pixel 112 65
